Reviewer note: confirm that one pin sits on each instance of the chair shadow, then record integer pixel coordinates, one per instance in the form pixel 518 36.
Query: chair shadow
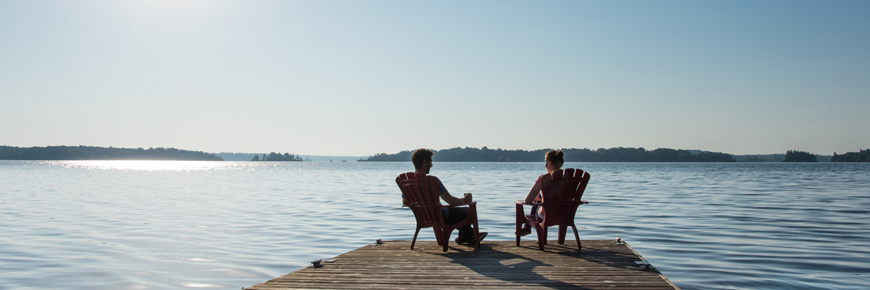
pixel 506 267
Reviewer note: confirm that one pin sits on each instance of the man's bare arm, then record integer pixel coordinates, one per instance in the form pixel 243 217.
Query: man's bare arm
pixel 451 200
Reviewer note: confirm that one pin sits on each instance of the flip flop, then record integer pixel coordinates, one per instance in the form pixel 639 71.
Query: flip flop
pixel 482 236
pixel 525 231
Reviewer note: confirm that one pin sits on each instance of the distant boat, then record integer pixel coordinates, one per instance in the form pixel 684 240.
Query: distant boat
pixel 330 159
pixel 343 160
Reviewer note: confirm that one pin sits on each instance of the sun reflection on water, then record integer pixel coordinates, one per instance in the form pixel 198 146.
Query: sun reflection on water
pixel 146 165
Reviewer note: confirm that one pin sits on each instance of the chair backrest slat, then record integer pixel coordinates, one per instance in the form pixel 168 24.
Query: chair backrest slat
pixel 421 191
pixel 561 192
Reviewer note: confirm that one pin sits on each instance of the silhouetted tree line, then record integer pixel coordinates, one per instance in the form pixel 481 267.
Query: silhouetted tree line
pixel 619 154
pixel 277 157
pixel 101 153
pixel 760 158
pixel 401 156
pixel 799 156
pixel 860 156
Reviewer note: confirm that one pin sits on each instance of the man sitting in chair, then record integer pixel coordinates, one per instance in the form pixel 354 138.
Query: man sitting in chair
pixel 422 159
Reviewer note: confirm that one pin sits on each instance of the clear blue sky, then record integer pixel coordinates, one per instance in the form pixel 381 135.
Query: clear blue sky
pixel 364 77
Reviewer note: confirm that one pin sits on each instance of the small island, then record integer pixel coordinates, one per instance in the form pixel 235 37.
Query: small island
pixel 277 157
pixel 799 156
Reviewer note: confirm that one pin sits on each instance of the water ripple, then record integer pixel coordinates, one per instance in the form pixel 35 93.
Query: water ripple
pixel 225 225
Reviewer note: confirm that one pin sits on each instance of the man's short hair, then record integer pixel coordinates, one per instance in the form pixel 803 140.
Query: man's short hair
pixel 421 155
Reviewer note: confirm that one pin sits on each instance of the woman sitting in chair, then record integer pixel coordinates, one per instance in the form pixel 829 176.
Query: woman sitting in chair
pixel 552 161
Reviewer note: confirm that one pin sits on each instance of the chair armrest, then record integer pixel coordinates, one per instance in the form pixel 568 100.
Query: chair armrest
pixel 470 203
pixel 521 202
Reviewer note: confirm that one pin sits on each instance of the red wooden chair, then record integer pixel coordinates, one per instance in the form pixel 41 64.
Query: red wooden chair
pixel 421 192
pixel 561 192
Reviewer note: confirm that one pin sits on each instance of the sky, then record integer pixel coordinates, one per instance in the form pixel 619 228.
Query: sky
pixel 366 77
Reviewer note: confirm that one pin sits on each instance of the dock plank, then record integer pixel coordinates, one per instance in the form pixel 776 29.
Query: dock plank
pixel 602 264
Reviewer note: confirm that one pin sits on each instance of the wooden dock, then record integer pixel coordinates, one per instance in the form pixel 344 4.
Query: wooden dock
pixel 602 264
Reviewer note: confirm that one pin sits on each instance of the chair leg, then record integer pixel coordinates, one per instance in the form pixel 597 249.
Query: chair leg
pixel 445 236
pixel 414 240
pixel 542 236
pixel 544 231
pixel 521 220
pixel 576 236
pixel 562 231
pixel 477 233
pixel 437 235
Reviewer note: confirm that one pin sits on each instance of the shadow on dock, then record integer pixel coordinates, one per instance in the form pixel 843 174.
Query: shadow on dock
pixel 506 266
pixel 602 264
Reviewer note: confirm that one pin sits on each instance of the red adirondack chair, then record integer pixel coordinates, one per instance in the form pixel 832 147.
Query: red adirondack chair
pixel 561 192
pixel 421 192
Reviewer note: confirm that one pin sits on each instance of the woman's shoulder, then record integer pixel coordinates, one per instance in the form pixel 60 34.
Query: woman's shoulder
pixel 541 177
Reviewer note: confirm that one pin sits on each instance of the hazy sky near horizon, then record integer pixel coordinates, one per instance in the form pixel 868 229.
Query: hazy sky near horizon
pixel 365 77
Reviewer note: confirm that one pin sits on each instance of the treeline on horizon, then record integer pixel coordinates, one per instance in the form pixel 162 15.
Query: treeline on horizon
pixel 102 153
pixel 802 156
pixel 860 156
pixel 619 154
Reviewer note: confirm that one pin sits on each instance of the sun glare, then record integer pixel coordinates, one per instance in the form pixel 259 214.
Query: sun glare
pixel 146 165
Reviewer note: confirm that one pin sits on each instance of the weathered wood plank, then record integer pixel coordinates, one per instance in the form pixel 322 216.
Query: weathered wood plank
pixel 602 264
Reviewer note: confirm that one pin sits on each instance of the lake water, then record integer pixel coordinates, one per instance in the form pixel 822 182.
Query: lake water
pixel 227 225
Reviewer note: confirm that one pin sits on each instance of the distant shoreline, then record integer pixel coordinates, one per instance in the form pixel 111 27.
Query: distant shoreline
pixel 616 154
pixel 477 155
pixel 102 153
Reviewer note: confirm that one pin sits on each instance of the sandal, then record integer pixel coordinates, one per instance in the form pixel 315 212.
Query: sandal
pixel 482 236
pixel 472 242
pixel 525 230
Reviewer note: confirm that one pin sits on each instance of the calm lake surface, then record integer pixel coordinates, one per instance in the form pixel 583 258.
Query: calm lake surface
pixel 227 225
